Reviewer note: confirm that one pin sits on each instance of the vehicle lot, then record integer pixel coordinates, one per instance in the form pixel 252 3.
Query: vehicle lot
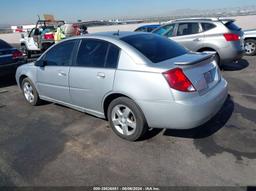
pixel 51 145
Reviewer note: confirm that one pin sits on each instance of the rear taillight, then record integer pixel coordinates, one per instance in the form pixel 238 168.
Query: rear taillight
pixel 178 80
pixel 17 54
pixel 48 36
pixel 231 37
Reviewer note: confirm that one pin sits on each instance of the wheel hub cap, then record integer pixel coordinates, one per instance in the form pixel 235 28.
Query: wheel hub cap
pixel 123 120
pixel 250 47
pixel 28 92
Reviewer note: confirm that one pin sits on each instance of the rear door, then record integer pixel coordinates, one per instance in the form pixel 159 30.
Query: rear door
pixel 189 34
pixel 53 78
pixel 93 73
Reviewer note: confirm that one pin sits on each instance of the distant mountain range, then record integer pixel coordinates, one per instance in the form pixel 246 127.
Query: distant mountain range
pixel 2 26
pixel 220 12
pixel 161 16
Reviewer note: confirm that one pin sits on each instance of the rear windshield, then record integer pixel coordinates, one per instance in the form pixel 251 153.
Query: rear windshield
pixel 232 26
pixel 154 47
pixel 3 45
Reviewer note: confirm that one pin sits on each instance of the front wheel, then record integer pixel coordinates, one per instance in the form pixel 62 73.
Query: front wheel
pixel 250 47
pixel 126 119
pixel 30 93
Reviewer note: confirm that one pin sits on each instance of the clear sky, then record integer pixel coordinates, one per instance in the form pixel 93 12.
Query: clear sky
pixel 26 11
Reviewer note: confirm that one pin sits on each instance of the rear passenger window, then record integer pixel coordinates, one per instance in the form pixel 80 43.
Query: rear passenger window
pixel 113 56
pixel 97 54
pixel 3 45
pixel 188 29
pixel 207 26
pixel 142 29
pixel 92 53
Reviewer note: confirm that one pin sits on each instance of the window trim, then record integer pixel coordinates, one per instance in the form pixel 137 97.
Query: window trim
pixel 106 56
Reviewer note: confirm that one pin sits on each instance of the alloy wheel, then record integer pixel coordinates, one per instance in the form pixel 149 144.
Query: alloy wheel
pixel 250 47
pixel 123 120
pixel 28 92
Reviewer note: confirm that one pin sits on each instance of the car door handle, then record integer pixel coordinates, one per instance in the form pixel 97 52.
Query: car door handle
pixel 101 75
pixel 197 39
pixel 61 73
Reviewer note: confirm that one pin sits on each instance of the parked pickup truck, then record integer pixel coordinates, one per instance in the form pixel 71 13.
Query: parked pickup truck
pixel 39 38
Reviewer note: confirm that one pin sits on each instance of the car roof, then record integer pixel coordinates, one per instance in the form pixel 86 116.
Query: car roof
pixel 113 35
pixel 210 19
pixel 153 25
pixel 115 38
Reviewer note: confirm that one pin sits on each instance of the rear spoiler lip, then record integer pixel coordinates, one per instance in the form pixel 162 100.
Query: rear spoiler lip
pixel 210 55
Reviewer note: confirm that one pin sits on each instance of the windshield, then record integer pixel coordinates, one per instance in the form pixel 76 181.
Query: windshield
pixel 164 29
pixel 232 26
pixel 154 47
pixel 4 45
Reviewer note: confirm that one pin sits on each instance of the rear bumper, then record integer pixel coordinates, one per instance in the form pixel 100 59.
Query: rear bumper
pixel 185 114
pixel 231 54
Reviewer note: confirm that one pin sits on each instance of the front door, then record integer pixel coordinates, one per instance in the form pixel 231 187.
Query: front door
pixel 53 77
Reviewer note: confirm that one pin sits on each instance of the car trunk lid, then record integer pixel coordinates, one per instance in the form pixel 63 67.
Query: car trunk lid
pixel 200 68
pixel 6 56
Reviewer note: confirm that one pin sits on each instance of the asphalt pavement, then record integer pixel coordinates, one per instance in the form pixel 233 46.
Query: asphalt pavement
pixel 52 145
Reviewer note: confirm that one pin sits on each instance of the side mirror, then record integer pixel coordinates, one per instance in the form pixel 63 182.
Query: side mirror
pixel 41 63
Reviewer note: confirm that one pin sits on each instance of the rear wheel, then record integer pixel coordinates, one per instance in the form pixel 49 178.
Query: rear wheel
pixel 126 119
pixel 250 47
pixel 29 92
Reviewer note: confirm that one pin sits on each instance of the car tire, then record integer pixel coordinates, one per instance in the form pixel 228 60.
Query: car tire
pixel 30 93
pixel 126 119
pixel 250 47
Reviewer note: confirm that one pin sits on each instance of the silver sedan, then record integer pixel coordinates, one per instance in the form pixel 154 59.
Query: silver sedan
pixel 136 81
